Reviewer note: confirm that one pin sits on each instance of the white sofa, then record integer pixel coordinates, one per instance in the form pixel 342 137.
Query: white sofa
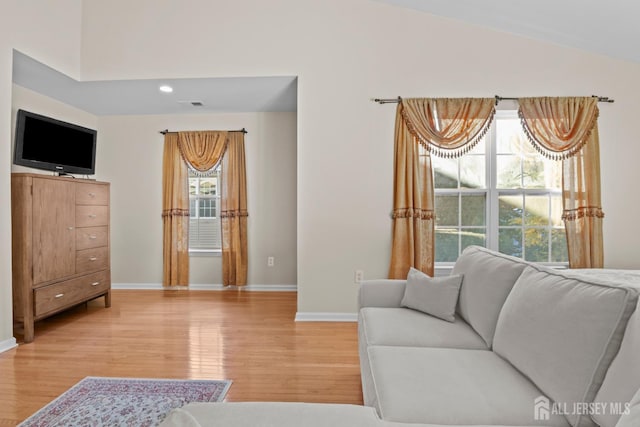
pixel 523 335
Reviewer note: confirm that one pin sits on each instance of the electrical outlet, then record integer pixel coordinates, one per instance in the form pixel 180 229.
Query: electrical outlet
pixel 358 276
pixel 271 261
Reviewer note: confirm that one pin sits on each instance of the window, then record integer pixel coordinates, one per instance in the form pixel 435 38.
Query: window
pixel 502 195
pixel 204 213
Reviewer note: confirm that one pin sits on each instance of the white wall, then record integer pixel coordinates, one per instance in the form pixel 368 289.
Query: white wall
pixel 346 52
pixel 49 31
pixel 130 157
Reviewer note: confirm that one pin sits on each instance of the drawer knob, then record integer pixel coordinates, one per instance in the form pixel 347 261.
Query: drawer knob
pixel 93 258
pixel 95 283
pixel 92 215
pixel 59 295
pixel 69 228
pixel 92 194
pixel 92 236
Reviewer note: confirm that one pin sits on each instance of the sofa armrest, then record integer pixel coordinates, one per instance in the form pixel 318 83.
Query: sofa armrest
pixel 381 293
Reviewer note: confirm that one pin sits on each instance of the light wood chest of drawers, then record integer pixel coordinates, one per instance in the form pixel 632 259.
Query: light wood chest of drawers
pixel 60 245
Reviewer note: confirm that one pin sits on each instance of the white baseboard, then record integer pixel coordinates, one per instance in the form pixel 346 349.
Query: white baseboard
pixel 326 317
pixel 137 286
pixel 7 345
pixel 208 287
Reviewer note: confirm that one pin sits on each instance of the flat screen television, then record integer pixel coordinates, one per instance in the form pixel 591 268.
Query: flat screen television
pixel 50 144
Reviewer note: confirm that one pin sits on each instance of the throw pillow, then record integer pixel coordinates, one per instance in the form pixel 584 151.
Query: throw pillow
pixel 435 296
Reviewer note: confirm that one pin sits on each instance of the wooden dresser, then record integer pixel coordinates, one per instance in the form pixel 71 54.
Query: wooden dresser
pixel 60 244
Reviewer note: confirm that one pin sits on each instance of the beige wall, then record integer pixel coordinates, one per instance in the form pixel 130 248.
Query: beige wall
pixel 130 157
pixel 49 31
pixel 346 52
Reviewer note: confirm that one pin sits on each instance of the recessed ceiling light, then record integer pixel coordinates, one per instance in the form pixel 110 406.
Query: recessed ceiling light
pixel 166 89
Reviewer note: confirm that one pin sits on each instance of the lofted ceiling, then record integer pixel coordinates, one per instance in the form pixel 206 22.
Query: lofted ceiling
pixel 605 27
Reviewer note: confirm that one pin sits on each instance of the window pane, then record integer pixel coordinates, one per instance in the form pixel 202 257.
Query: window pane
pixel 472 236
pixel 536 210
pixel 447 210
pixel 192 208
pixel 536 245
pixel 472 172
pixel 473 210
pixel 207 208
pixel 446 245
pixel 208 186
pixel 510 241
pixel 193 185
pixel 510 210
pixel 510 136
pixel 559 246
pixel 533 172
pixel 508 171
pixel 445 172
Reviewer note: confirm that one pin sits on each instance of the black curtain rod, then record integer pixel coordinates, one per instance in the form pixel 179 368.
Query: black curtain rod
pixel 166 131
pixel 498 99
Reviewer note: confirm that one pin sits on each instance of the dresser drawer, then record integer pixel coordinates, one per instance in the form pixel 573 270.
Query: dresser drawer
pixel 92 259
pixel 90 216
pixel 91 237
pixel 92 194
pixel 52 298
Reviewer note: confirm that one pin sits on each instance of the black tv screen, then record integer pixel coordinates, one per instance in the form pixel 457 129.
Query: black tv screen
pixel 50 144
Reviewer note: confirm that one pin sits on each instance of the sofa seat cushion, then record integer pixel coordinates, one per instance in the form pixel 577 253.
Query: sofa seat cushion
pixel 271 414
pixel 406 327
pixel 562 332
pixel 452 387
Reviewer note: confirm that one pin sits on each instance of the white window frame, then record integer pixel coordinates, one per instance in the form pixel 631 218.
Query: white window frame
pixel 492 198
pixel 205 252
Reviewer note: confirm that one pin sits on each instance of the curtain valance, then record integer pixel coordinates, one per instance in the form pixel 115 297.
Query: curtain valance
pixel 447 127
pixel 202 150
pixel 558 127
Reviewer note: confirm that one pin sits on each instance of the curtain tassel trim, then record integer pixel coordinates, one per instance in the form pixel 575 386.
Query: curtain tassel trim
pixel 413 213
pixel 175 212
pixel 233 214
pixel 586 211
pixel 558 155
pixel 443 152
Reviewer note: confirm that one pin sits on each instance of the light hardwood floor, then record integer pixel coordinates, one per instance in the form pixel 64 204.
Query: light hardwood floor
pixel 248 337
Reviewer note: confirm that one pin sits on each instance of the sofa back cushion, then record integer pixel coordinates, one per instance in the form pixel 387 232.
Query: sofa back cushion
pixel 562 332
pixel 488 279
pixel 631 418
pixel 623 377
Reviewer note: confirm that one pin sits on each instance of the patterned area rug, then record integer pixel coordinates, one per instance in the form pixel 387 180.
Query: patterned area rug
pixel 98 401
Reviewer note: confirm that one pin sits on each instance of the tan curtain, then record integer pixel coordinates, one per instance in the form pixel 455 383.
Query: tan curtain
pixel 234 213
pixel 175 214
pixel 202 150
pixel 566 129
pixel 446 127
